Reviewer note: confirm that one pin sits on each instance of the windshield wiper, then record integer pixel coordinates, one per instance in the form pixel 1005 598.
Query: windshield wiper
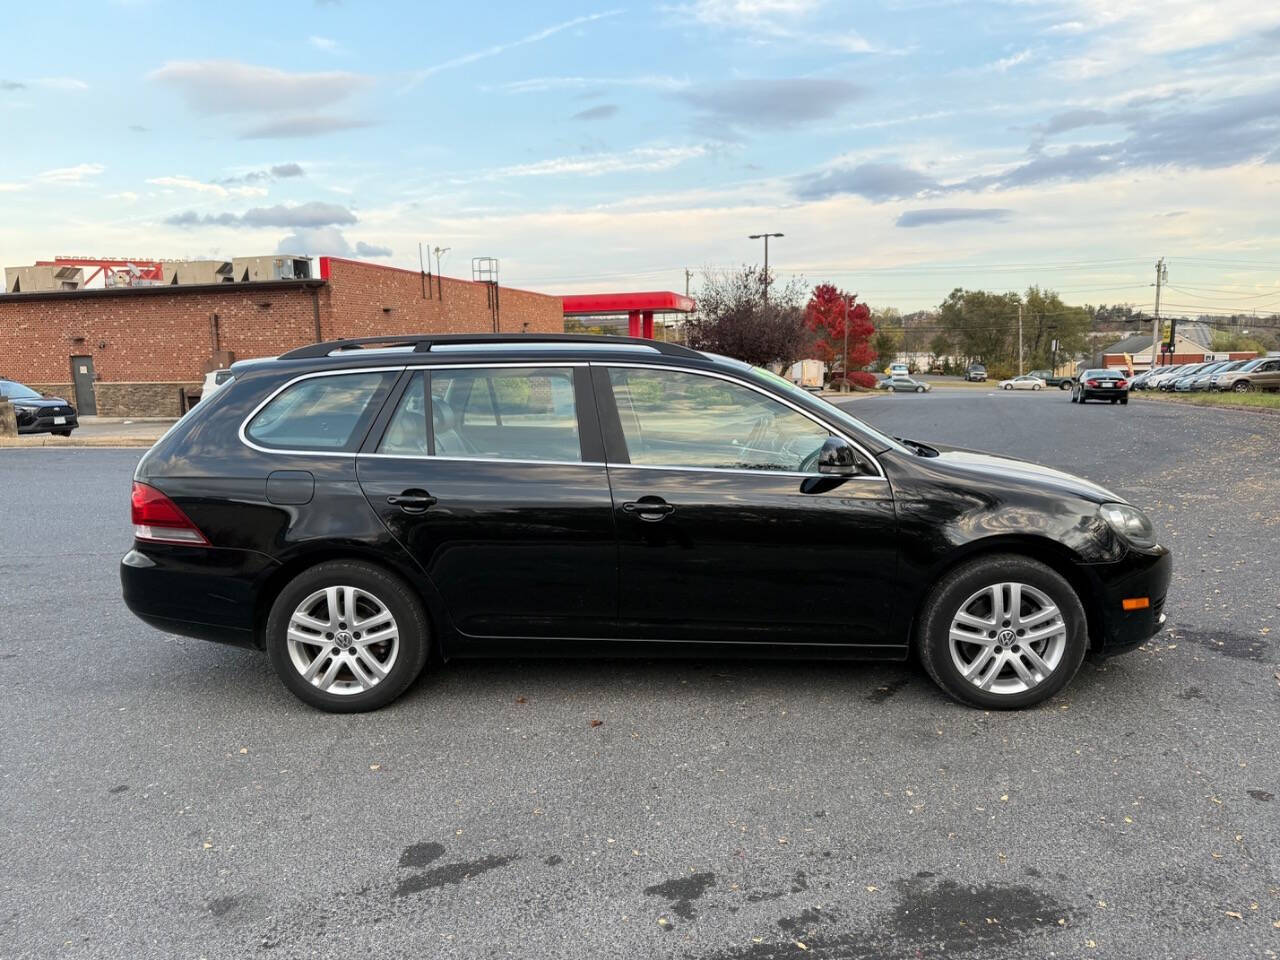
pixel 921 449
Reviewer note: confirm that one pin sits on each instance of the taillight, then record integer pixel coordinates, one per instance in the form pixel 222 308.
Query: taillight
pixel 1091 383
pixel 156 517
pixel 1122 383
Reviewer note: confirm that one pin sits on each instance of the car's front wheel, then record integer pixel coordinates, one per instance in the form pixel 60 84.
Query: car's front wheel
pixel 1002 632
pixel 1241 386
pixel 346 636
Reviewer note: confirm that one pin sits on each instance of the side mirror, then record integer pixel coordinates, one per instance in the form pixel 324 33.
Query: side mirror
pixel 837 458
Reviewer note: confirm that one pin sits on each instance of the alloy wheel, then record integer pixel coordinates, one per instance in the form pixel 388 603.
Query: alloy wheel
pixel 343 640
pixel 1007 638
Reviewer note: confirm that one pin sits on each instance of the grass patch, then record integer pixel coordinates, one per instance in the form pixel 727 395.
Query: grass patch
pixel 1254 399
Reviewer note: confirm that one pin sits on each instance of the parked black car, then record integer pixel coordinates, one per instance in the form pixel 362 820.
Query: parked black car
pixel 37 413
pixel 360 512
pixel 1101 384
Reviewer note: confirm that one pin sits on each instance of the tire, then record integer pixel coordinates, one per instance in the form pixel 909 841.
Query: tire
pixel 1064 385
pixel 1073 396
pixel 919 389
pixel 62 433
pixel 964 587
pixel 1124 401
pixel 1035 388
pixel 1240 386
pixel 403 657
pixel 1008 386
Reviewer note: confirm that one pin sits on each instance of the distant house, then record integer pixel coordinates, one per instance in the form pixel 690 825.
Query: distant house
pixel 1135 352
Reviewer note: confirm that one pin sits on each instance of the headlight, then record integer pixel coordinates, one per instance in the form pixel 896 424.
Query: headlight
pixel 1132 524
pixel 23 409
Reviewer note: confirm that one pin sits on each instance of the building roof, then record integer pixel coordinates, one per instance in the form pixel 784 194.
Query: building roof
pixel 1134 344
pixel 659 301
pixel 160 290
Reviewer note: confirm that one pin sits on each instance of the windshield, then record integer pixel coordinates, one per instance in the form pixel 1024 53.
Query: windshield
pixel 1253 363
pixel 805 399
pixel 17 391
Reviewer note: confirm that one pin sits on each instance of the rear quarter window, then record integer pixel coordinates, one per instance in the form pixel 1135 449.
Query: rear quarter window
pixel 328 413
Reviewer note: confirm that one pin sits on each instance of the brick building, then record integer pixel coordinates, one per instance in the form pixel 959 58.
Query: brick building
pixel 136 351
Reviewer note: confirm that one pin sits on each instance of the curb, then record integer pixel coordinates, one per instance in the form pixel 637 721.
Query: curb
pixel 22 443
pixel 1265 411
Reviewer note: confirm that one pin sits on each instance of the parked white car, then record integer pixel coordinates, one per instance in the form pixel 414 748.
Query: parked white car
pixel 213 381
pixel 1026 382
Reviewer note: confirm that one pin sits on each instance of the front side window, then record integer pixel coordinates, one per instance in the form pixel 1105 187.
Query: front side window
pixel 328 413
pixel 505 413
pixel 676 419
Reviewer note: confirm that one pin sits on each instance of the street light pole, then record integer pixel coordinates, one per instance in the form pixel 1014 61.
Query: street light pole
pixel 844 364
pixel 765 237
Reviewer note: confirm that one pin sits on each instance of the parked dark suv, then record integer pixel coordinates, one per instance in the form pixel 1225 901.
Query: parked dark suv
pixel 361 508
pixel 36 413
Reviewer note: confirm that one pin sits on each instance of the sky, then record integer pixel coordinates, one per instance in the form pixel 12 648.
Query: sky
pixel 903 147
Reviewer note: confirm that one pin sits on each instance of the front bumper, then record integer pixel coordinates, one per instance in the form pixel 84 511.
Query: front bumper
pixel 1138 574
pixel 47 424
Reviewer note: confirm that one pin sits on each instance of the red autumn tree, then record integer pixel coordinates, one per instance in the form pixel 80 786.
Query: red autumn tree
pixel 827 313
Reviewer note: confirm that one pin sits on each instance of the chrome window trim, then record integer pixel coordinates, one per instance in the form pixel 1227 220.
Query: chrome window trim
pixel 290 451
pixel 473 365
pixel 345 371
pixel 880 475
pixel 427 456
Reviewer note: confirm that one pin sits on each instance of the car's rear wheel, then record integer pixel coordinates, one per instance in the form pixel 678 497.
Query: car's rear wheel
pixel 1124 401
pixel 1064 385
pixel 1002 632
pixel 62 433
pixel 346 636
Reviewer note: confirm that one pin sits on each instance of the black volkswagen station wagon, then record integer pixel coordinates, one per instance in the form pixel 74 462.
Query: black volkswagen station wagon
pixel 360 508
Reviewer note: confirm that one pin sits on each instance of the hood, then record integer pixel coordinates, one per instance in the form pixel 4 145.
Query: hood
pixel 38 402
pixel 976 466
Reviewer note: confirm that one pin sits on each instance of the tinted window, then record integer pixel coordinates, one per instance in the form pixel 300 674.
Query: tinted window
pixel 674 419
pixel 407 430
pixel 17 391
pixel 505 413
pixel 321 413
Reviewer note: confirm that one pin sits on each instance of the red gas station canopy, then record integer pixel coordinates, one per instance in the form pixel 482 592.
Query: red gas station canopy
pixel 653 301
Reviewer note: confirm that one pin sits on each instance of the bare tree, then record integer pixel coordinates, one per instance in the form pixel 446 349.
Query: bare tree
pixel 733 318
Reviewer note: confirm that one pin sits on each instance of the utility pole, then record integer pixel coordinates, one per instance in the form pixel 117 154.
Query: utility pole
pixel 1019 338
pixel 844 364
pixel 765 237
pixel 688 275
pixel 1162 276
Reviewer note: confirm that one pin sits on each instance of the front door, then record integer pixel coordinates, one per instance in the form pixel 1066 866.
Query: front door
pixel 493 478
pixel 726 530
pixel 82 377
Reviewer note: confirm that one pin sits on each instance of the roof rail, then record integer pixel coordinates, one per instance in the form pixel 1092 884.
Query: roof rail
pixel 422 343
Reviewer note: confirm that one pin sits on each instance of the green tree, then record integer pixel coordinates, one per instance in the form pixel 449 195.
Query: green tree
pixel 885 344
pixel 1225 341
pixel 1046 318
pixel 982 326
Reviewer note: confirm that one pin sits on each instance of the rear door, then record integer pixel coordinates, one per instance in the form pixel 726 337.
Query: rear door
pixel 726 530
pixel 492 476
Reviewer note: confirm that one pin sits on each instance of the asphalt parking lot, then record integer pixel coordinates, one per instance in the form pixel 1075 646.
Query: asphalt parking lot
pixel 163 798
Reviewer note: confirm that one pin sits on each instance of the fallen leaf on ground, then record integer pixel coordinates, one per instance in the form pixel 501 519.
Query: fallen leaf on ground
pixel 597 723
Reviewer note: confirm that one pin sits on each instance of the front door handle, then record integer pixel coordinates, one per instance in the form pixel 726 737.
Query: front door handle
pixel 413 501
pixel 651 509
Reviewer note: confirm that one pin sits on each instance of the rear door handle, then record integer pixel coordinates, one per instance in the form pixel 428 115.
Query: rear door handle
pixel 413 501
pixel 650 509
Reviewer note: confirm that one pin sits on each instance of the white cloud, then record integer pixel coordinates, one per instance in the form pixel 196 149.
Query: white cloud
pixel 200 186
pixel 327 44
pixel 76 174
pixel 228 86
pixel 772 20
pixel 544 84
pixel 419 75
pixel 59 83
pixel 12 187
pixel 641 159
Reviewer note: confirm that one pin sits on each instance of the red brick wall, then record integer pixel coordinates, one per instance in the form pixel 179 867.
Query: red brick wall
pixel 148 336
pixel 358 293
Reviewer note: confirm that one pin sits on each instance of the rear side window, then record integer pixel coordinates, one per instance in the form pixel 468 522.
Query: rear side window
pixel 505 413
pixel 328 413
